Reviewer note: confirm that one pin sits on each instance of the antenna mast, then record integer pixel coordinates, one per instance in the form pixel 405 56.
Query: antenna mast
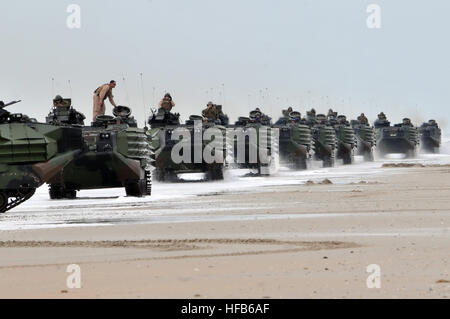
pixel 53 86
pixel 126 91
pixel 70 89
pixel 143 99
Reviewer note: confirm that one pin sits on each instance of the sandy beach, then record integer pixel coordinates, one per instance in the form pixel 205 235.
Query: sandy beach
pixel 306 240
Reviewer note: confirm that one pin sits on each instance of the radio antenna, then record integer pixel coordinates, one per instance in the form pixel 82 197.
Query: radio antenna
pixel 154 97
pixel 70 88
pixel 143 99
pixel 223 94
pixel 126 91
pixel 53 86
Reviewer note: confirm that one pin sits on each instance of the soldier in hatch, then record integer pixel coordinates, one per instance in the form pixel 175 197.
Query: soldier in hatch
pixel 342 119
pixel 166 103
pixel 406 122
pixel 330 113
pixel 381 121
pixel 58 101
pixel 100 95
pixel 211 112
pixel 260 117
pixel 63 112
pixel 362 119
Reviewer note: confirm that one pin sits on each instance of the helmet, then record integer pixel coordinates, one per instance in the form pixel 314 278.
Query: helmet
pixel 58 98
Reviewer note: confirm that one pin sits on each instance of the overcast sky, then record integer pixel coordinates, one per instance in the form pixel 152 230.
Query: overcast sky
pixel 243 53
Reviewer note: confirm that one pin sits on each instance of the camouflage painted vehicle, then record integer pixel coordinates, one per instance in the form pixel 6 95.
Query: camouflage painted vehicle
pixel 430 136
pixel 345 138
pixel 400 138
pixel 163 125
pixel 115 154
pixel 245 146
pixel 324 138
pixel 31 154
pixel 365 136
pixel 295 140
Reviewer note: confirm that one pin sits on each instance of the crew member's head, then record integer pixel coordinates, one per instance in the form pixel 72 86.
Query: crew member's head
pixel 58 101
pixel 112 84
pixel 167 97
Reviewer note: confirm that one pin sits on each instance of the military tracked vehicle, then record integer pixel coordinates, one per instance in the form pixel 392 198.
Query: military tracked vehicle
pixel 31 154
pixel 400 138
pixel 345 138
pixel 163 127
pixel 295 140
pixel 115 154
pixel 365 136
pixel 324 138
pixel 430 136
pixel 250 141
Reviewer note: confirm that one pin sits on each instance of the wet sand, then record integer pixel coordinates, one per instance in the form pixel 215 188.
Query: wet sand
pixel 293 241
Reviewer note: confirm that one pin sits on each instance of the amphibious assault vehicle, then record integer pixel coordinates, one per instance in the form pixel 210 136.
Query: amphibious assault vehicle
pixel 324 138
pixel 115 153
pixel 295 140
pixel 400 138
pixel 187 148
pixel 430 136
pixel 250 143
pixel 345 138
pixel 31 154
pixel 365 136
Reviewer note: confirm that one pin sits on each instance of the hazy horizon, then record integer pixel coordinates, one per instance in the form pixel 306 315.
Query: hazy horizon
pixel 266 54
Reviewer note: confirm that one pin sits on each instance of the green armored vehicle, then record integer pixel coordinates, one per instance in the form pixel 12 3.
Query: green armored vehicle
pixel 345 137
pixel 115 154
pixel 175 155
pixel 250 142
pixel 400 138
pixel 295 140
pixel 365 136
pixel 430 136
pixel 31 154
pixel 324 138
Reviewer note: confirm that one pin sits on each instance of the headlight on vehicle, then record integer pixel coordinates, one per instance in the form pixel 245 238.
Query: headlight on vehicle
pixel 105 136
